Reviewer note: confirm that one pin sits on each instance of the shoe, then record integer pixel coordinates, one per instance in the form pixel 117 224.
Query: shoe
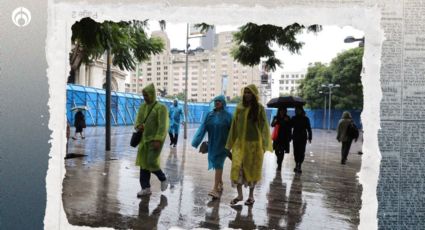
pixel 214 194
pixel 164 185
pixel 83 137
pixel 295 169
pixel 73 138
pixel 144 192
pixel 174 145
pixel 249 201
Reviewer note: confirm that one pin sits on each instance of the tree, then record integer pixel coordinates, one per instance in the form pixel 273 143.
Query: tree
pixel 345 70
pixel 127 42
pixel 309 88
pixel 253 42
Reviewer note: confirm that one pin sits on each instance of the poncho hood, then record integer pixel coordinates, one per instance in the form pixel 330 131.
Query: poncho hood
pixel 150 90
pixel 218 98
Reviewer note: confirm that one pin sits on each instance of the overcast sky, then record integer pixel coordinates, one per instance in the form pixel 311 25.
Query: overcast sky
pixel 320 47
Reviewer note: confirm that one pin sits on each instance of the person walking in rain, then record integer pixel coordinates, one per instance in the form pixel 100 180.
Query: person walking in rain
pixel 154 130
pixel 249 138
pixel 281 144
pixel 80 124
pixel 217 124
pixel 176 114
pixel 301 132
pixel 342 135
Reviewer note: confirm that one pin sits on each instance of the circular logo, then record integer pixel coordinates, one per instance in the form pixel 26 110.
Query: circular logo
pixel 21 16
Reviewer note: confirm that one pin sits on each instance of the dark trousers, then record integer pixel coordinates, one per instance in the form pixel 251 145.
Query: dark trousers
pixel 299 150
pixel 145 177
pixel 279 150
pixel 173 138
pixel 345 149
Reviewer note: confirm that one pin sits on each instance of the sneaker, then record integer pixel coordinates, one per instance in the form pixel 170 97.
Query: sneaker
pixel 144 192
pixel 164 185
pixel 174 145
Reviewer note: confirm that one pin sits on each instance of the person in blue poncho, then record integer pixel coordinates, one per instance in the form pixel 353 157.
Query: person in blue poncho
pixel 176 114
pixel 217 123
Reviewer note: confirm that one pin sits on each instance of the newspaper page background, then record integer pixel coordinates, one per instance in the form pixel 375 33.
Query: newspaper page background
pixel 391 175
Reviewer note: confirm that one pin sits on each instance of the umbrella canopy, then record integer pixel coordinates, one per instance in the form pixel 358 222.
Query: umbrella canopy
pixel 80 107
pixel 286 101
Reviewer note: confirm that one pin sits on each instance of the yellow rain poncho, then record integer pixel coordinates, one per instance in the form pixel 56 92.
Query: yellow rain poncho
pixel 156 127
pixel 248 141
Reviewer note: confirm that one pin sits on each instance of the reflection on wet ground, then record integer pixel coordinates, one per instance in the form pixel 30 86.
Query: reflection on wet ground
pixel 99 190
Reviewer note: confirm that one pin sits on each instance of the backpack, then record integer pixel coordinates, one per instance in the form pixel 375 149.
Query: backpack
pixel 353 131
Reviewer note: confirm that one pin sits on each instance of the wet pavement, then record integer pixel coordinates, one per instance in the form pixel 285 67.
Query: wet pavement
pixel 99 190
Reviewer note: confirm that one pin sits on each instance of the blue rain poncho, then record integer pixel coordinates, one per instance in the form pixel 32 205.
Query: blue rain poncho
pixel 217 124
pixel 176 115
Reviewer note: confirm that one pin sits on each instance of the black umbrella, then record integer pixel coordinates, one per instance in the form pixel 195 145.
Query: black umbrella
pixel 286 101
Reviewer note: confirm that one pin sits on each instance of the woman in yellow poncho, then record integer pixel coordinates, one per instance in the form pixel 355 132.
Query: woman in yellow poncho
pixel 154 132
pixel 249 138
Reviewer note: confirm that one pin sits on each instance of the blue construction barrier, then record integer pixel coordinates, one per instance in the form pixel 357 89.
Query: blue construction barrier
pixel 124 107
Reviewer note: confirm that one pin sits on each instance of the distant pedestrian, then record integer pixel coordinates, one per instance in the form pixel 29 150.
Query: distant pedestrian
pixel 217 124
pixel 343 136
pixel 176 116
pixel 249 138
pixel 80 124
pixel 281 144
pixel 154 133
pixel 301 132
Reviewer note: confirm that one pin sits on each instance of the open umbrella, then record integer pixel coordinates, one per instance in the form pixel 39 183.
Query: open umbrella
pixel 79 107
pixel 286 101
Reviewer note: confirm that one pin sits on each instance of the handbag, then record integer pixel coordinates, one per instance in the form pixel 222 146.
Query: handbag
pixel 204 147
pixel 136 137
pixel 275 133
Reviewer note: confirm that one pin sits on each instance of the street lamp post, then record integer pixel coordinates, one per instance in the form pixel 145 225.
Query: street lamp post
pixel 351 39
pixel 187 52
pixel 330 86
pixel 186 83
pixel 324 109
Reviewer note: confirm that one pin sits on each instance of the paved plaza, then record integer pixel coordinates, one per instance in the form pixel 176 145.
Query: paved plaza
pixel 99 190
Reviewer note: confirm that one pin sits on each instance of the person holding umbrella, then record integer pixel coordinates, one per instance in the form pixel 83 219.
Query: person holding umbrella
pixel 79 123
pixel 301 132
pixel 249 138
pixel 281 144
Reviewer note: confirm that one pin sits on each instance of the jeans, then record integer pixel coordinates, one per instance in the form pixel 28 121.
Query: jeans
pixel 145 177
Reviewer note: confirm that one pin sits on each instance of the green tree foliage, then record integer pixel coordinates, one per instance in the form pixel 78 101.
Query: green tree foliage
pixel 345 70
pixel 253 42
pixel 127 41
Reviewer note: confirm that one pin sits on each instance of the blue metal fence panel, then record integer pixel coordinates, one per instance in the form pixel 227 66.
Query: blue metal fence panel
pixel 124 108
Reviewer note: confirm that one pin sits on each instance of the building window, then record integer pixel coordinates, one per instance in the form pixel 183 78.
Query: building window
pixel 158 68
pixel 149 64
pixel 149 69
pixel 165 67
pixel 158 73
pixel 165 73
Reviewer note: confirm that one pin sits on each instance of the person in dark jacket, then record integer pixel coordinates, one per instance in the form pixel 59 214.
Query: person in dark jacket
pixel 80 124
pixel 281 145
pixel 342 135
pixel 301 132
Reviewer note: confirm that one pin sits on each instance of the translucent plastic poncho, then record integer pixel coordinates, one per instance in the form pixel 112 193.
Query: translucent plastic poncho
pixel 156 126
pixel 248 141
pixel 217 125
pixel 176 116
